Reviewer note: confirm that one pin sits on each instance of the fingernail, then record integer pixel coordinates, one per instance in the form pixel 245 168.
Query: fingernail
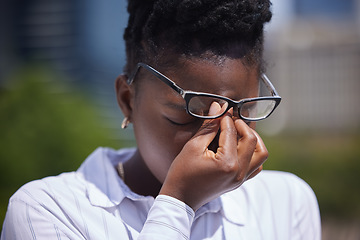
pixel 214 108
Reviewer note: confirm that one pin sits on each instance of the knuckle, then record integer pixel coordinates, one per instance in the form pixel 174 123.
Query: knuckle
pixel 252 139
pixel 249 138
pixel 264 154
pixel 229 167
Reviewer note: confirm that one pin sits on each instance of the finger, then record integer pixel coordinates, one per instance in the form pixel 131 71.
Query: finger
pixel 227 138
pixel 260 154
pixel 259 157
pixel 208 129
pixel 247 140
pixel 256 172
pixel 260 145
pixel 246 145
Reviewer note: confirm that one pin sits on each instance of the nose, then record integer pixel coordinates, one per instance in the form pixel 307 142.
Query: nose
pixel 235 112
pixel 236 115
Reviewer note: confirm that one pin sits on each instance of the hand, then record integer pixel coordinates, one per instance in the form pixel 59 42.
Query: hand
pixel 199 175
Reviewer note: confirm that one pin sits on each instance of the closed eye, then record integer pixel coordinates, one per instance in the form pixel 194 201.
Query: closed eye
pixel 183 124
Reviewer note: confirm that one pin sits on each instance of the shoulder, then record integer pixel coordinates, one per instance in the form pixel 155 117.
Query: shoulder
pixel 282 186
pixel 48 192
pixel 68 189
pixel 43 207
pixel 278 204
pixel 53 198
pixel 67 203
pixel 281 193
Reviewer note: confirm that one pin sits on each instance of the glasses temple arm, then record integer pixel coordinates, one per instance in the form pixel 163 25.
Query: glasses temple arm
pixel 269 85
pixel 163 78
pixel 132 75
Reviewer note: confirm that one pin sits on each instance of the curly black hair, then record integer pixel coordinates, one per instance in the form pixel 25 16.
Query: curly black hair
pixel 231 28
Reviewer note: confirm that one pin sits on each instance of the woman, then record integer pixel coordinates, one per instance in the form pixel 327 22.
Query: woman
pixel 193 89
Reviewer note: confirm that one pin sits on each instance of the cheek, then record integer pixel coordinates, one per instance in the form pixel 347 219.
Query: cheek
pixel 181 137
pixel 150 142
pixel 159 142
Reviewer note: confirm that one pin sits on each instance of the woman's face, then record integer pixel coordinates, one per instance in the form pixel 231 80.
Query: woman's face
pixel 161 124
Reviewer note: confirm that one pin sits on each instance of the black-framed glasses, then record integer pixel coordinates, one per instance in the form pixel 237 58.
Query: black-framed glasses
pixel 198 103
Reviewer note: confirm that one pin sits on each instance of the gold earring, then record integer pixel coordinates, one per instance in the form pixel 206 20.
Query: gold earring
pixel 125 123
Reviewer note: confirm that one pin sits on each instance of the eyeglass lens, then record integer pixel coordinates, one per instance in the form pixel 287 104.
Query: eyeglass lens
pixel 200 106
pixel 253 110
pixel 257 109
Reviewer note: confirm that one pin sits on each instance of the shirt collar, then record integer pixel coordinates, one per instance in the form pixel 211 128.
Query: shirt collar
pixel 233 206
pixel 211 207
pixel 228 206
pixel 103 185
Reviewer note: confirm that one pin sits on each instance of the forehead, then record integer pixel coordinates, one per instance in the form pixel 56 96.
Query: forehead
pixel 223 76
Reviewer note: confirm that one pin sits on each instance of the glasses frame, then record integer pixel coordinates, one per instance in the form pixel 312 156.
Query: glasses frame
pixel 187 94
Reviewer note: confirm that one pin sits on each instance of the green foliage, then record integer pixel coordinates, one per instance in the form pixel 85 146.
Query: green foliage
pixel 328 162
pixel 46 128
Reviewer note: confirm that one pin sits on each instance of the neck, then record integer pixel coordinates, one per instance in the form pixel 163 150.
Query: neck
pixel 139 178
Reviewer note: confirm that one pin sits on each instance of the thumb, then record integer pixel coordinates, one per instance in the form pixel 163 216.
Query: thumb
pixel 208 129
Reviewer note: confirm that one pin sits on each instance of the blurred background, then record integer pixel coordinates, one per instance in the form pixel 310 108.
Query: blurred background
pixel 59 60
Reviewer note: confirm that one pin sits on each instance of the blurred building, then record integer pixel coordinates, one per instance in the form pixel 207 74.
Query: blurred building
pixel 314 60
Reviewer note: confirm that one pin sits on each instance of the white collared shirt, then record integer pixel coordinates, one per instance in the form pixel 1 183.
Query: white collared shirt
pixel 94 203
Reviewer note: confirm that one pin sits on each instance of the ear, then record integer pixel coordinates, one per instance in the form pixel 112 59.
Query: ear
pixel 124 95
